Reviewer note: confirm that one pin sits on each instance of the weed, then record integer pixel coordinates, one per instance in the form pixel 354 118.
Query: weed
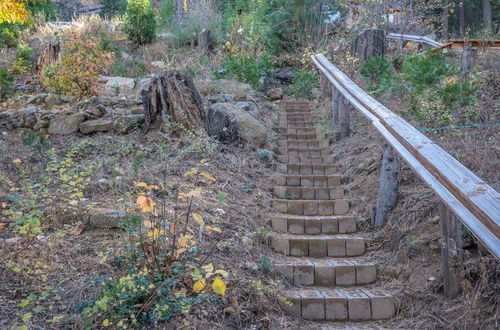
pixel 261 233
pixel 221 198
pixel 6 82
pixel 287 195
pixel 265 264
pixel 40 146
pixel 303 84
pixel 140 23
pixel 266 155
pixel 137 162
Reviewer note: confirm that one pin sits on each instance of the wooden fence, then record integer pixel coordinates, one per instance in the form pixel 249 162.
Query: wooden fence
pixel 466 199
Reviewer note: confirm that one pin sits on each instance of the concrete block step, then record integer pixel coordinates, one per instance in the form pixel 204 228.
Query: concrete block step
pixel 304 130
pixel 317 246
pixel 296 169
pixel 304 152
pixel 303 136
pixel 308 193
pixel 298 118
pixel 339 304
pixel 323 181
pixel 303 143
pixel 325 273
pixel 311 207
pixel 304 160
pixel 313 225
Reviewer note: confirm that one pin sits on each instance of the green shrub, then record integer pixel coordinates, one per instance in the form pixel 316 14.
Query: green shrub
pixel 266 155
pixel 113 8
pixel 124 68
pixel 246 69
pixel 303 84
pixel 425 70
pixel 9 35
pixel 140 23
pixel 379 72
pixel 166 14
pixel 6 82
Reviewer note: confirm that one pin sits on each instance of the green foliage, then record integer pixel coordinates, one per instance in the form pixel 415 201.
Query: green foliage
pixel 113 8
pixel 425 71
pixel 266 155
pixel 303 84
pixel 378 71
pixel 6 82
pixel 221 198
pixel 140 23
pixel 44 9
pixel 246 69
pixel 128 68
pixel 265 264
pixel 166 14
pixel 22 64
pixel 40 146
pixel 9 35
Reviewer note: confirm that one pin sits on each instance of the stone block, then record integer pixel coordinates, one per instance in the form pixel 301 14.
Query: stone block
pixel 313 305
pixel 295 226
pixel 382 305
pixel 295 207
pixel 341 207
pixel 331 169
pixel 299 247
pixel 310 208
pixel 281 245
pixel 324 275
pixel 321 181
pixel 308 193
pixel 334 180
pixel 336 308
pixel 280 206
pixel 325 207
pixel 303 274
pixel 279 225
pixel 336 193
pixel 292 180
pixel 294 192
pixel 292 305
pixel 312 226
pixel 354 247
pixel 345 274
pixel 322 194
pixel 285 270
pixel 330 226
pixel 336 247
pixel 347 225
pixel 279 180
pixel 306 169
pixel 317 248
pixel 293 169
pixel 359 306
pixel 366 273
pixel 307 181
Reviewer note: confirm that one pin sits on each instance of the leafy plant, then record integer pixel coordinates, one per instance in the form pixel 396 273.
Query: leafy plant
pixel 113 8
pixel 303 84
pixel 140 23
pixel 6 82
pixel 266 155
pixel 166 13
pixel 265 263
pixel 165 274
pixel 22 64
pixel 221 198
pixel 9 35
pixel 78 68
pixel 40 146
pixel 246 68
pixel 378 71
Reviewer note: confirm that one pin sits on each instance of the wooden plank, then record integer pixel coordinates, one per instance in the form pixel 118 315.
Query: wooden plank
pixel 388 185
pixel 478 197
pixel 451 251
pixel 335 106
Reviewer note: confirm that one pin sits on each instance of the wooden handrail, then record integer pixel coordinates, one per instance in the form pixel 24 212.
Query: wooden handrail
pixel 474 202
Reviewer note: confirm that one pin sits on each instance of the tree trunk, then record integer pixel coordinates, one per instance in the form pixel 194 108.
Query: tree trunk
pixel 173 97
pixel 48 55
pixel 324 86
pixel 344 115
pixel 487 15
pixel 369 43
pixel 461 19
pixel 445 19
pixel 388 185
pixel 204 42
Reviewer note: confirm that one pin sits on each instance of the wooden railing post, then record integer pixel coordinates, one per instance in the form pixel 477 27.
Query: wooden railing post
pixel 335 107
pixel 388 185
pixel 344 114
pixel 451 249
pixel 324 87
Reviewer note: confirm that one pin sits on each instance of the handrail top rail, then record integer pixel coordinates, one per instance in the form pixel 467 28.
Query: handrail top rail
pixel 474 202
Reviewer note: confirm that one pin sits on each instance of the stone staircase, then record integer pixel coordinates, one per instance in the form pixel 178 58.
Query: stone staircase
pixel 317 248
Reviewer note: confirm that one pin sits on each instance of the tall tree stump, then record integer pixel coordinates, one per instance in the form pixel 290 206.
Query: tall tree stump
pixel 342 128
pixel 49 54
pixel 204 42
pixel 173 96
pixel 388 185
pixel 369 43
pixel 324 87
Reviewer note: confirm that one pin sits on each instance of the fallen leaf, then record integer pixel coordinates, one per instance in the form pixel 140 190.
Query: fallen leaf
pixel 77 230
pixel 3 226
pixel 218 230
pixel 221 272
pixel 208 176
pixel 141 184
pixel 4 205
pixel 17 161
pixel 219 286
pixel 146 203
pixel 199 219
pixel 199 285
pixel 190 173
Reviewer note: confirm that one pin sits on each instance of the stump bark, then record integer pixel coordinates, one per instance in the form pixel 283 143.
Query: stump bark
pixel 49 54
pixel 388 185
pixel 369 43
pixel 204 42
pixel 173 97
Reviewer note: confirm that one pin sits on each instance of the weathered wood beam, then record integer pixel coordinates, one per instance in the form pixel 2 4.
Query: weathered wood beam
pixel 388 185
pixel 452 252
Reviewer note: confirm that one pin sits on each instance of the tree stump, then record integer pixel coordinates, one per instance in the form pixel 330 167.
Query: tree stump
pixel 204 42
pixel 388 185
pixel 324 86
pixel 173 96
pixel 369 43
pixel 48 55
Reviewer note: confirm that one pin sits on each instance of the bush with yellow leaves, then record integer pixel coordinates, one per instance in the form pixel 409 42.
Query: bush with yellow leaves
pixel 78 68
pixel 166 271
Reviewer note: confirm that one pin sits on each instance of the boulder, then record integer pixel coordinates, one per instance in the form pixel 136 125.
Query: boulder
pixel 111 219
pixel 241 91
pixel 65 124
pixel 248 128
pixel 41 124
pixel 221 125
pixel 122 83
pixel 125 124
pixel 50 101
pixel 275 94
pixel 142 84
pixel 220 98
pixel 98 125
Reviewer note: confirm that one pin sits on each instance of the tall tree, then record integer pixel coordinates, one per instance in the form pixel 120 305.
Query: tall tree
pixel 461 18
pixel 487 15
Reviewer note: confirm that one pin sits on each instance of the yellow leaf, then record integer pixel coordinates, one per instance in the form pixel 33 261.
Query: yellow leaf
pixel 17 161
pixel 105 322
pixel 196 193
pixel 146 204
pixel 199 219
pixel 152 187
pixel 141 184
pixel 219 286
pixel 184 240
pixel 199 285
pixel 218 230
pixel 208 268
pixel 190 173
pixel 156 232
pixel 222 272
pixel 208 176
